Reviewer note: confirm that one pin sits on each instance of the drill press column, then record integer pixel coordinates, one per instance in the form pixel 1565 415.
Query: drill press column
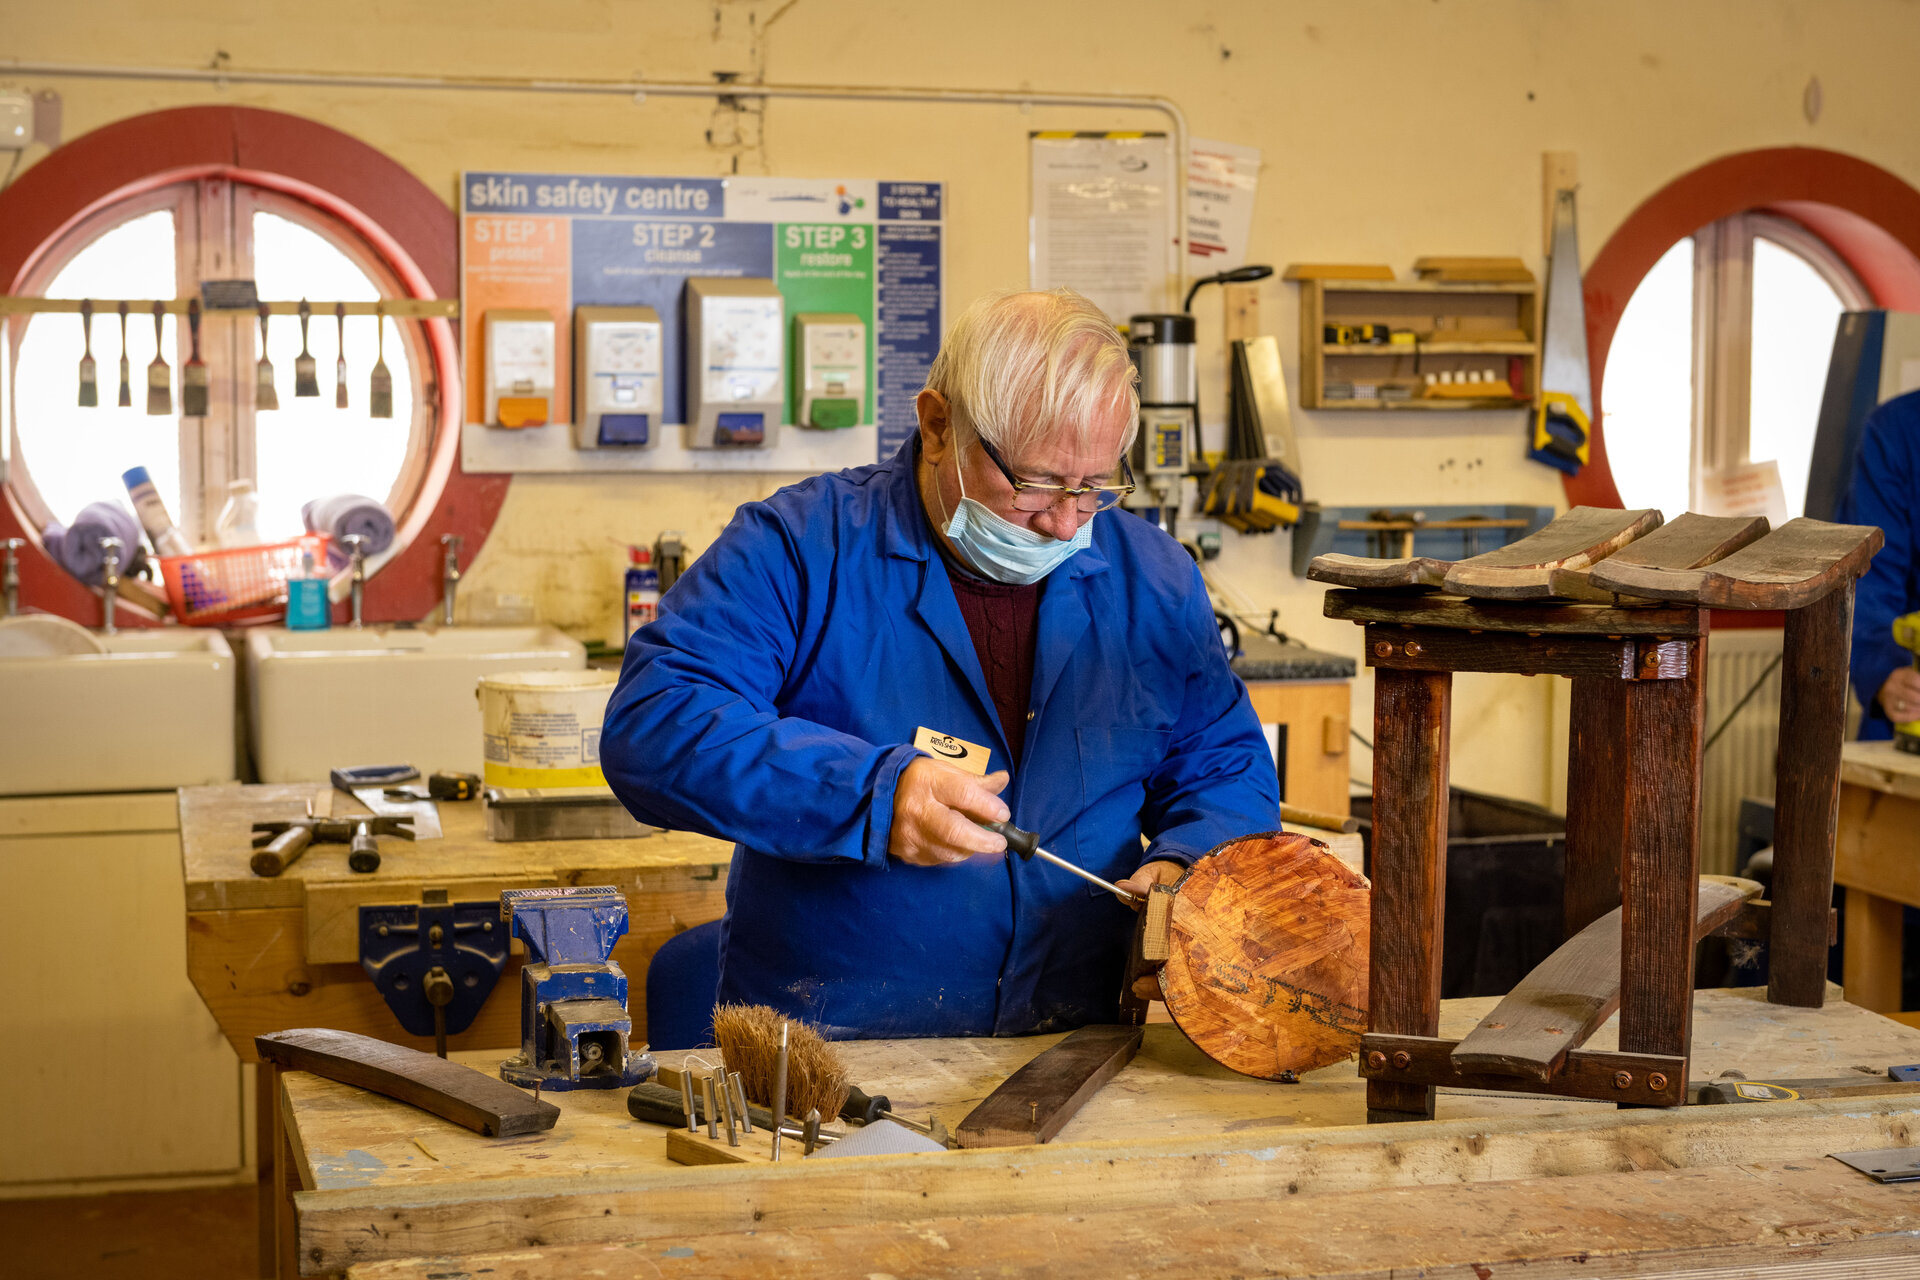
pixel 574 1024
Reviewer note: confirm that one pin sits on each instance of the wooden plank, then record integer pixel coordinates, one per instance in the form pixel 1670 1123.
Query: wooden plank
pixel 1268 954
pixel 1871 963
pixel 1523 570
pixel 1337 271
pixel 1596 800
pixel 1660 871
pixel 1688 541
pixel 621 1202
pixel 1790 568
pixel 1881 766
pixel 1806 1219
pixel 1411 720
pixel 1036 1101
pixel 1364 572
pixel 1570 993
pixel 1601 657
pixel 1653 1080
pixel 1493 615
pixel 1813 721
pixel 486 1104
pixel 215 825
pixel 1874 848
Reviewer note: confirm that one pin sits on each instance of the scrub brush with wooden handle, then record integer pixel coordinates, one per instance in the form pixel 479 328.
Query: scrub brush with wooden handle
pixel 749 1040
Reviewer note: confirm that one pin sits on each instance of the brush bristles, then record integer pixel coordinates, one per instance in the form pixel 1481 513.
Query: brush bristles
pixel 749 1039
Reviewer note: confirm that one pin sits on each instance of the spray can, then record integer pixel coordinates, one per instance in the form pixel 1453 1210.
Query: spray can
pixel 641 592
pixel 152 510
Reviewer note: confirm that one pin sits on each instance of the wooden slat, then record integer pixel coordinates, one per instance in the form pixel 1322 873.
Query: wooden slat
pixel 1036 1101
pixel 1365 572
pixel 1600 657
pixel 1570 993
pixel 1790 568
pixel 1596 800
pixel 1813 715
pixel 1523 570
pixel 1653 1080
pixel 1689 541
pixel 1805 1219
pixel 1494 615
pixel 1267 946
pixel 1659 872
pixel 1412 711
pixel 471 1099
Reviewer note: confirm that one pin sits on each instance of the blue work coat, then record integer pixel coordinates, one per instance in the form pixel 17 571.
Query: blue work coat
pixel 1885 490
pixel 774 703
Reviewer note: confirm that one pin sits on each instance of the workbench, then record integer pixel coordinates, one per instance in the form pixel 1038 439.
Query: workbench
pixel 267 954
pixel 1877 861
pixel 1175 1166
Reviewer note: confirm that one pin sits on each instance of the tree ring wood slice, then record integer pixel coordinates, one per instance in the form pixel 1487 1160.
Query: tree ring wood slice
pixel 1267 970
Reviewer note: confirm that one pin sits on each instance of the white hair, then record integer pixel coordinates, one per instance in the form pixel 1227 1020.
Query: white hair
pixel 1020 367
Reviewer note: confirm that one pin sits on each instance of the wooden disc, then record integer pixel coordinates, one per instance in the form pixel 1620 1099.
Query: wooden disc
pixel 1267 963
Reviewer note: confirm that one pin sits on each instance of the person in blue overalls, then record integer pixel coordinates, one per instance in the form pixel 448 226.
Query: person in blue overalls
pixel 978 584
pixel 1885 490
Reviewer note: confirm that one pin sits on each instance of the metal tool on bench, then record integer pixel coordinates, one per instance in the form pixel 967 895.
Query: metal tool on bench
pixel 574 1024
pixel 1027 845
pixel 281 842
pixel 559 813
pixel 434 962
pixel 378 786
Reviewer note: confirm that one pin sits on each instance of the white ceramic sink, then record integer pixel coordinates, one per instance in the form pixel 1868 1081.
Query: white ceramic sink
pixel 153 712
pixel 385 695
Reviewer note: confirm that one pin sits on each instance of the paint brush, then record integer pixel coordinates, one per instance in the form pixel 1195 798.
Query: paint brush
pixel 306 371
pixel 264 396
pixel 380 389
pixel 126 368
pixel 193 376
pixel 89 382
pixel 340 364
pixel 159 377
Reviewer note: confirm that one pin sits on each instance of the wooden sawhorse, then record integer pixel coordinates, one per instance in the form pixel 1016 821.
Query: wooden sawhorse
pixel 1619 604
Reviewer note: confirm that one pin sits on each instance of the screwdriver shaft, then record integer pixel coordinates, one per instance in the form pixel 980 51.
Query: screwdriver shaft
pixel 1086 875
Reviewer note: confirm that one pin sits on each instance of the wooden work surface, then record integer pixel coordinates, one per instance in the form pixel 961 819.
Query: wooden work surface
pixel 380 1180
pixel 269 953
pixel 1874 861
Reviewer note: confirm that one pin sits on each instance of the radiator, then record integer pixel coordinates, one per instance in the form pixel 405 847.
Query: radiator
pixel 1741 762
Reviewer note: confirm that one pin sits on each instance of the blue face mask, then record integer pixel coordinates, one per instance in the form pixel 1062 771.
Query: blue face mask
pixel 997 548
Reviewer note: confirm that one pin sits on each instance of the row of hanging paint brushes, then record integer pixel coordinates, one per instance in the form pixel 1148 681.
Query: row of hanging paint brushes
pixel 193 375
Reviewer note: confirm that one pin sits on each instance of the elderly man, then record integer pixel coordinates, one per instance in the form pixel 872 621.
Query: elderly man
pixel 978 585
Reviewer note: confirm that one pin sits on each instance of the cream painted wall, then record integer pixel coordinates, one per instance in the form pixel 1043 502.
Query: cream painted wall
pixel 1390 129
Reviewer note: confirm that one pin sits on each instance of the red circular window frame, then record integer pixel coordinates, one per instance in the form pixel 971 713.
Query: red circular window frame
pixel 412 229
pixel 1869 216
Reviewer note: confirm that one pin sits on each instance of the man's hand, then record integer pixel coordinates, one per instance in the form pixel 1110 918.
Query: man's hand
pixel 1141 882
pixel 934 808
pixel 1900 695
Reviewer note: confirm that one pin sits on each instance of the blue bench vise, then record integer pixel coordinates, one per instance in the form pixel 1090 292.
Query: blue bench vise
pixel 435 962
pixel 574 1023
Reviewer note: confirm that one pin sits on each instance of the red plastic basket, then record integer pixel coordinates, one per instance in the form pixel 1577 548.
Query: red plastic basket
pixel 238 584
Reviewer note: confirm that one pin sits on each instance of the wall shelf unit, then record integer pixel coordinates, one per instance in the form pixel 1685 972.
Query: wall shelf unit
pixel 1490 329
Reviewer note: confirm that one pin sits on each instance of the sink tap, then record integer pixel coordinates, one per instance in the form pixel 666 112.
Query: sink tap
pixel 10 576
pixel 450 574
pixel 357 551
pixel 109 582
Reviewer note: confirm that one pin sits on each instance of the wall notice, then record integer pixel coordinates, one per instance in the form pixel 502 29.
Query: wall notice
pixel 558 241
pixel 1102 219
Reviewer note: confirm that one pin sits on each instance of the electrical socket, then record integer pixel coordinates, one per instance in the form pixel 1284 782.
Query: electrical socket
pixel 16 120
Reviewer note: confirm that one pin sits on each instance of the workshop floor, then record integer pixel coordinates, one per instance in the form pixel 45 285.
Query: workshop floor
pixel 150 1235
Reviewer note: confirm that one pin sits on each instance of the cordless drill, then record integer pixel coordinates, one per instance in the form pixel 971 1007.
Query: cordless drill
pixel 1906 634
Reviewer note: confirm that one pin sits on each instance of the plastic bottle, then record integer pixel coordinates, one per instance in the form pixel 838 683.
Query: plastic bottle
pixel 161 531
pixel 240 518
pixel 308 608
pixel 642 591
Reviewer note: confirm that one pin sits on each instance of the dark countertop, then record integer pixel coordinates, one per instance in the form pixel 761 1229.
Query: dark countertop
pixel 1265 658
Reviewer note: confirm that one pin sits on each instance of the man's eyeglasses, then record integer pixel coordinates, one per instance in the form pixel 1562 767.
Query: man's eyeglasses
pixel 1031 495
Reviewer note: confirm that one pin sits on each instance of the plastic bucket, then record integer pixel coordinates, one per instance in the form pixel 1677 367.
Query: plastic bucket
pixel 542 728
